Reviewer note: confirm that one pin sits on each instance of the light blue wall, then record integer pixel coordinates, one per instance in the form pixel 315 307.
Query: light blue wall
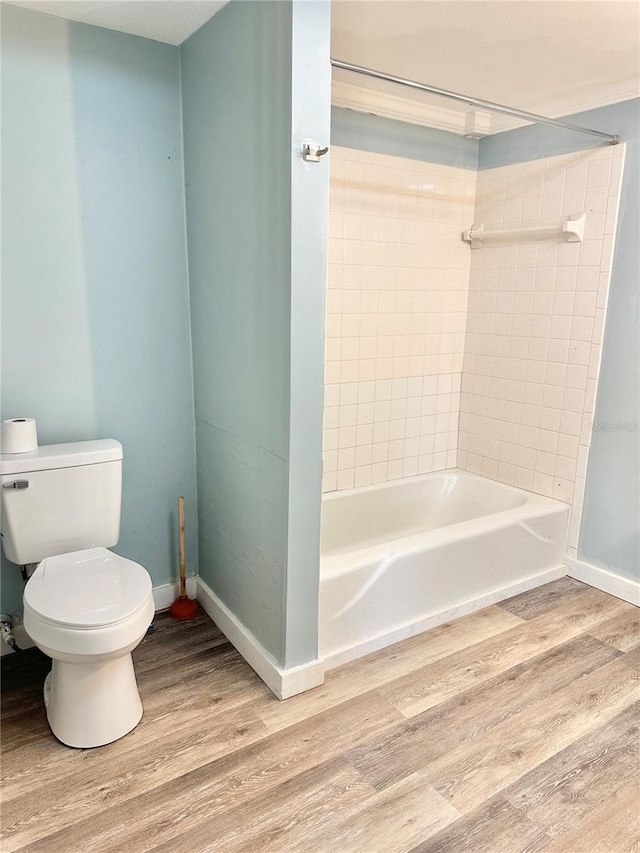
pixel 610 535
pixel 539 140
pixel 368 132
pixel 95 318
pixel 248 313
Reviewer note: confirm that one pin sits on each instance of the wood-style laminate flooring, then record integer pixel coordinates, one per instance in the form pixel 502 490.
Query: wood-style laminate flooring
pixel 513 729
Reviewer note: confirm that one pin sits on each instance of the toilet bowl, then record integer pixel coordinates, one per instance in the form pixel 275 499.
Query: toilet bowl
pixel 88 610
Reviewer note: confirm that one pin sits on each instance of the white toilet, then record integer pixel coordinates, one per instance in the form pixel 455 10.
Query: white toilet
pixel 84 606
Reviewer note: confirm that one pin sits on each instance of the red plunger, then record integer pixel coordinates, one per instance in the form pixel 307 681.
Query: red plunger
pixel 183 607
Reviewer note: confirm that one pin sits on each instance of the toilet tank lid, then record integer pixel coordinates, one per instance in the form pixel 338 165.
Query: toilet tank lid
pixel 50 456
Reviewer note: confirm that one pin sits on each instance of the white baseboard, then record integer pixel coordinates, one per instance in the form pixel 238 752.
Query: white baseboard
pixel 163 598
pixel 283 682
pixel 373 644
pixel 165 595
pixel 604 580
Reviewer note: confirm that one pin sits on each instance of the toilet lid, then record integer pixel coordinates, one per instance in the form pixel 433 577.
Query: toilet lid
pixel 87 589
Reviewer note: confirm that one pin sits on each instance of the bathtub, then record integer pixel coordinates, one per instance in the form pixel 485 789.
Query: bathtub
pixel 401 557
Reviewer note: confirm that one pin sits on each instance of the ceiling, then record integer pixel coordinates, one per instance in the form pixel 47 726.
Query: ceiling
pixel 171 21
pixel 548 56
pixel 555 57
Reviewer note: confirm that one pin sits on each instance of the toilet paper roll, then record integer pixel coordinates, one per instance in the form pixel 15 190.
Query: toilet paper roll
pixel 19 435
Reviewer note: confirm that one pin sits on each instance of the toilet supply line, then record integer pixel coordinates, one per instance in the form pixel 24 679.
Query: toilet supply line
pixel 7 624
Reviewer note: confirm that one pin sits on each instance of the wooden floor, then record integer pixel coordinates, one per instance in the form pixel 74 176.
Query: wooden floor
pixel 513 729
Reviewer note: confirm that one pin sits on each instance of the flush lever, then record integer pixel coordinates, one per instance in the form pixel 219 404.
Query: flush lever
pixel 16 484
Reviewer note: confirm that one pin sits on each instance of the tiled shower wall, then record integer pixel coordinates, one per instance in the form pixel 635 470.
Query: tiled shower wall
pixel 535 325
pixel 396 314
pixel 410 306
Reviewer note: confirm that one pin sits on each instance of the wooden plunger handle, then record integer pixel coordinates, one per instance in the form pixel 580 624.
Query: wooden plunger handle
pixel 183 579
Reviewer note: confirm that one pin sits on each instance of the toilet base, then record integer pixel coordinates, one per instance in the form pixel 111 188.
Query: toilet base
pixel 92 704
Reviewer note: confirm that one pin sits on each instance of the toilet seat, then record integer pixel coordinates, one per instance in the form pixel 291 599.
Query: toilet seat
pixel 88 589
pixel 90 603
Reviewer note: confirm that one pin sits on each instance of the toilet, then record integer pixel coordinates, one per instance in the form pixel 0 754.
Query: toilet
pixel 85 607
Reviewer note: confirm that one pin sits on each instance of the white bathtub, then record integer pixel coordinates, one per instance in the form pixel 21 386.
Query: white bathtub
pixel 400 557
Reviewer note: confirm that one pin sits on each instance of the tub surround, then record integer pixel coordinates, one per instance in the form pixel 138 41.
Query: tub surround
pixel 396 309
pixel 609 539
pixel 535 325
pixel 498 372
pixel 516 326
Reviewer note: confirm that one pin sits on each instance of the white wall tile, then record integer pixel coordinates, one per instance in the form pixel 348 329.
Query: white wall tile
pixel 396 315
pixel 548 315
pixel 439 355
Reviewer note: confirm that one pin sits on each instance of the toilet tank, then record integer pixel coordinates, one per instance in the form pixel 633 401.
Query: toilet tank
pixel 60 498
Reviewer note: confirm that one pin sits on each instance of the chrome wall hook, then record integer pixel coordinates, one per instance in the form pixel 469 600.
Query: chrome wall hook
pixel 311 152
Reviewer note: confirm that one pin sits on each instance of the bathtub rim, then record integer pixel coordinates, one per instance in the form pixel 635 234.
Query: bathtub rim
pixel 335 494
pixel 534 506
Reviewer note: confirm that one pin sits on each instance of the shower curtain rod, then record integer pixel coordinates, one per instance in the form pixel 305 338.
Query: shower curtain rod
pixel 475 102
